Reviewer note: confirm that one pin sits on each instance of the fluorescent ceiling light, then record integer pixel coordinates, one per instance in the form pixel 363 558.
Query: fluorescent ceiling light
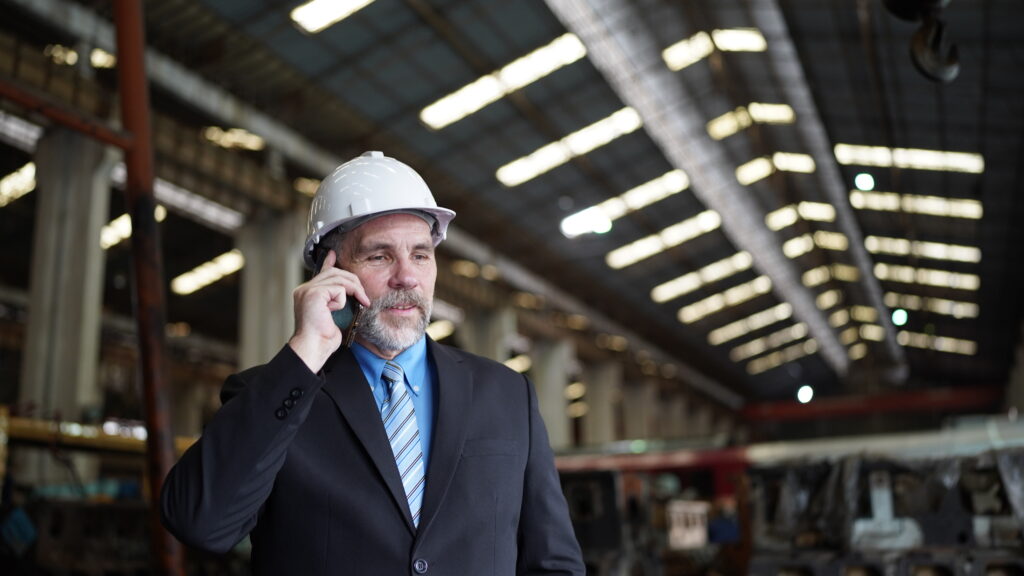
pixel 850 335
pixel 798 246
pixel 831 240
pixel 764 113
pixel 100 58
pixel 927 276
pixel 623 122
pixel 791 162
pixel 521 363
pixel 914 158
pixel 931 250
pixel 872 332
pixel 742 117
pixel 698 278
pixel 521 72
pixel 914 204
pixel 756 169
pixel 760 168
pixel 317 15
pixel 233 138
pixel 688 51
pixel 440 329
pixel 17 184
pixel 699 46
pixel 938 343
pixel 209 272
pixel 199 208
pixel 765 343
pixel 120 228
pixel 749 324
pixel 829 299
pixel 19 133
pixel 61 55
pixel 306 186
pixel 795 247
pixel 839 318
pixel 942 306
pixel 731 297
pixel 780 357
pixel 864 314
pixel 739 40
pixel 858 351
pixel 788 215
pixel 821 274
pixel 670 237
pixel 599 218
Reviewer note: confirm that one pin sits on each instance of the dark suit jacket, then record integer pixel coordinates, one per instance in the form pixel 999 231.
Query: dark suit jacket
pixel 302 462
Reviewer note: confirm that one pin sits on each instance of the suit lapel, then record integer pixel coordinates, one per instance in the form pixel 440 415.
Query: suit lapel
pixel 454 397
pixel 347 387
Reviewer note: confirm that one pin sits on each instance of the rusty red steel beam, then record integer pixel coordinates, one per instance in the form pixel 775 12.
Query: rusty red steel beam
pixel 41 104
pixel 149 295
pixel 958 399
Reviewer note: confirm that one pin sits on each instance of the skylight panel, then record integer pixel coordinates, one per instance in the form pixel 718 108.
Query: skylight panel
pixel 552 155
pixel 913 158
pixel 488 89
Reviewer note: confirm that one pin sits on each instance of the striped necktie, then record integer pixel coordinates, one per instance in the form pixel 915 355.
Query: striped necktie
pixel 404 435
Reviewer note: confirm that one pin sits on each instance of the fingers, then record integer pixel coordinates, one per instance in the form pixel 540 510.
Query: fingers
pixel 332 276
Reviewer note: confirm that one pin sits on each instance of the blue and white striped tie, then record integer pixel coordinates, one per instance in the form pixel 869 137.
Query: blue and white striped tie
pixel 404 436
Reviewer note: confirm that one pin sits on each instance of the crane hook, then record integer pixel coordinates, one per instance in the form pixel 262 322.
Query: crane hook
pixel 926 51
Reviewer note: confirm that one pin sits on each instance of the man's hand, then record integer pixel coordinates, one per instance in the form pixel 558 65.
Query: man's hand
pixel 316 335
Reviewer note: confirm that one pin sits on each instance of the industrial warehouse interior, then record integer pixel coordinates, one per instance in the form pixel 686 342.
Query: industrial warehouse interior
pixel 761 260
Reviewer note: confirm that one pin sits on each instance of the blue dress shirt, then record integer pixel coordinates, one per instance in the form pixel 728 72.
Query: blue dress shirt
pixel 419 380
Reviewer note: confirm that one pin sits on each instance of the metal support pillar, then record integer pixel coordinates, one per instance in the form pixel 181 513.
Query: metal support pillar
pixel 604 383
pixel 488 333
pixel 149 299
pixel 674 415
pixel 552 360
pixel 272 246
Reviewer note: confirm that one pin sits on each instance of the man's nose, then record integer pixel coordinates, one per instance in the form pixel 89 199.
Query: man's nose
pixel 404 275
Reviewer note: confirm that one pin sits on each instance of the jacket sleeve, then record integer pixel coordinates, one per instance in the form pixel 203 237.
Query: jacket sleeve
pixel 212 497
pixel 547 542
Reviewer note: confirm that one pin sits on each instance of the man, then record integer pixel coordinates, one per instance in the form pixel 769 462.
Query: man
pixel 395 456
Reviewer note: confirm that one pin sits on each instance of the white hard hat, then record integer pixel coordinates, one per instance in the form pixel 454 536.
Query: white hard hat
pixel 368 186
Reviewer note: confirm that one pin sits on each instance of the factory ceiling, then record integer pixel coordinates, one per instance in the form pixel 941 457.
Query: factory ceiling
pixel 743 190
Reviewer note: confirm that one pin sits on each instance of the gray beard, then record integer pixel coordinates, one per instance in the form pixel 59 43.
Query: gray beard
pixel 388 338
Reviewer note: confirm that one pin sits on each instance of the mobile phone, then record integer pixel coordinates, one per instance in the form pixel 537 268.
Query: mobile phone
pixel 347 319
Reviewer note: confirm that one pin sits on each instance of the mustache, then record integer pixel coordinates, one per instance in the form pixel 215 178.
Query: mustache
pixel 397 298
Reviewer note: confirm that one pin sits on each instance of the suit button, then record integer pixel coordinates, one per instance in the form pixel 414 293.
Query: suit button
pixel 281 413
pixel 288 403
pixel 296 393
pixel 420 566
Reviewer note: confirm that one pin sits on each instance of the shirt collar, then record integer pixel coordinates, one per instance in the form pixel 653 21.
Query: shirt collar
pixel 413 361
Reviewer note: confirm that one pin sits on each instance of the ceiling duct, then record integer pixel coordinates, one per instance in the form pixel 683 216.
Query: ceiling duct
pixel 787 68
pixel 622 47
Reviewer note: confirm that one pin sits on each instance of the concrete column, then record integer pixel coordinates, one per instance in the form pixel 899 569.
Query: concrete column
pixel 640 409
pixel 552 360
pixel 702 421
pixel 62 338
pixel 488 333
pixel 604 384
pixel 61 355
pixel 674 416
pixel 272 247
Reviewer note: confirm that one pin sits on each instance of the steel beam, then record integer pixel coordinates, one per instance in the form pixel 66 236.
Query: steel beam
pixel 624 51
pixel 150 312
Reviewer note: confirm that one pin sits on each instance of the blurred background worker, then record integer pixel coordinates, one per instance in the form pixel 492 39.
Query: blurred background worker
pixel 390 452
